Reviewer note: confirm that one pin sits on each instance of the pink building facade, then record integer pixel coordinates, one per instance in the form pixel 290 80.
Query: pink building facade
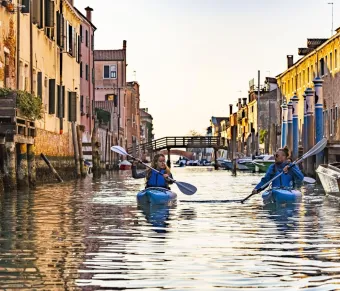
pixel 110 86
pixel 87 93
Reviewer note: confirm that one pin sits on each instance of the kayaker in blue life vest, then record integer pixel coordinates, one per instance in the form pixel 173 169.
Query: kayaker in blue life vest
pixel 291 174
pixel 154 179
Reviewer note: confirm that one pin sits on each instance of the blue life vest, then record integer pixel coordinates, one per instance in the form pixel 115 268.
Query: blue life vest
pixel 157 180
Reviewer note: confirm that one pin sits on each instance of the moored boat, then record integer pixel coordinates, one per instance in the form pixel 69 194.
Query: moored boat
pixel 330 178
pixel 279 195
pixel 263 162
pixel 156 195
pixel 125 165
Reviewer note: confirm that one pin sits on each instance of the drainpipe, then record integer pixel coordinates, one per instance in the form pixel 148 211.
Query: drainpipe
pixel 31 46
pixel 18 47
pixel 61 107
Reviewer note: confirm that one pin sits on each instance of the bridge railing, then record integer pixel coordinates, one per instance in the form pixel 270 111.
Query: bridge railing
pixel 180 142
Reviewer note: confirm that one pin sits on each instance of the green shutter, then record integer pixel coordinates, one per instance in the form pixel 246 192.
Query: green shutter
pixel 72 106
pixel 51 96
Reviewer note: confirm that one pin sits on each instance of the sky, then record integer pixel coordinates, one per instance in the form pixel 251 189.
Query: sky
pixel 192 58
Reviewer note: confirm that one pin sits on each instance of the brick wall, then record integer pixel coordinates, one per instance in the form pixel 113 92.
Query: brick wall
pixel 58 148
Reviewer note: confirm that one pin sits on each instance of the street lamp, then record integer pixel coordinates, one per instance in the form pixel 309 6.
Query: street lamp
pixel 331 3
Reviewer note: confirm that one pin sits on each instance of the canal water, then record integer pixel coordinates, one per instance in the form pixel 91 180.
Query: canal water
pixel 91 235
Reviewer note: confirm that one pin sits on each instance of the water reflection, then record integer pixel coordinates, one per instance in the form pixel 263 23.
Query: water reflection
pixel 92 235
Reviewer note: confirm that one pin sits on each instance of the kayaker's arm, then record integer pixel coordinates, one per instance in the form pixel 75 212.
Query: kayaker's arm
pixel 269 175
pixel 297 174
pixel 137 175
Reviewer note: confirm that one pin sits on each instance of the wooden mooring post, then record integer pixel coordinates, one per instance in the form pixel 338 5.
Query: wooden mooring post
pixel 32 168
pixel 95 152
pixel 76 149
pixel 80 130
pixel 10 178
pixel 22 165
pixel 55 173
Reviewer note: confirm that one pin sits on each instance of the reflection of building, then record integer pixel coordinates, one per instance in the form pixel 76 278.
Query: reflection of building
pixel 146 126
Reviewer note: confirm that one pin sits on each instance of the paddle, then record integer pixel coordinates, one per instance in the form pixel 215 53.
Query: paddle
pixel 313 151
pixel 309 180
pixel 184 187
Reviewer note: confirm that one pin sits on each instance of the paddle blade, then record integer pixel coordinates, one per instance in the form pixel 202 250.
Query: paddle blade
pixel 314 150
pixel 186 188
pixel 309 180
pixel 119 150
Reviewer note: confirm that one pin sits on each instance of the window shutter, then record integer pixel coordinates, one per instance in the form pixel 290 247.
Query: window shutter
pixel 74 43
pixel 81 69
pixel 115 100
pixel 72 106
pixel 26 8
pixel 81 33
pixel 79 48
pixel 106 72
pixel 92 42
pixel 39 85
pixel 37 12
pixel 49 13
pixel 58 101
pixel 82 104
pixel 67 36
pixel 63 102
pixel 61 107
pixel 92 75
pixel 87 72
pixel 60 30
pixel 51 96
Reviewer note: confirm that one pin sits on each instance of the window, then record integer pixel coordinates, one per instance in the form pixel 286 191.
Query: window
pixel 331 61
pixel 92 42
pixel 72 106
pixel 51 96
pixel 82 105
pixel 81 69
pixel 110 72
pixel 86 38
pixel 331 122
pixel 322 67
pixel 87 105
pixel 308 75
pixel 87 72
pixel 81 33
pixel 335 58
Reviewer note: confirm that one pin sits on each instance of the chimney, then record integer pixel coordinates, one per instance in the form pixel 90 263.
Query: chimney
pixel 290 61
pixel 230 109
pixel 244 101
pixel 239 103
pixel 124 45
pixel 89 13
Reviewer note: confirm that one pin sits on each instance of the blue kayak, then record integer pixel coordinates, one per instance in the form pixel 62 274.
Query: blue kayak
pixel 156 195
pixel 281 196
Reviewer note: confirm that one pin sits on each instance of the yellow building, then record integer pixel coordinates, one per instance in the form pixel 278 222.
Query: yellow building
pixel 7 45
pixel 49 68
pixel 321 58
